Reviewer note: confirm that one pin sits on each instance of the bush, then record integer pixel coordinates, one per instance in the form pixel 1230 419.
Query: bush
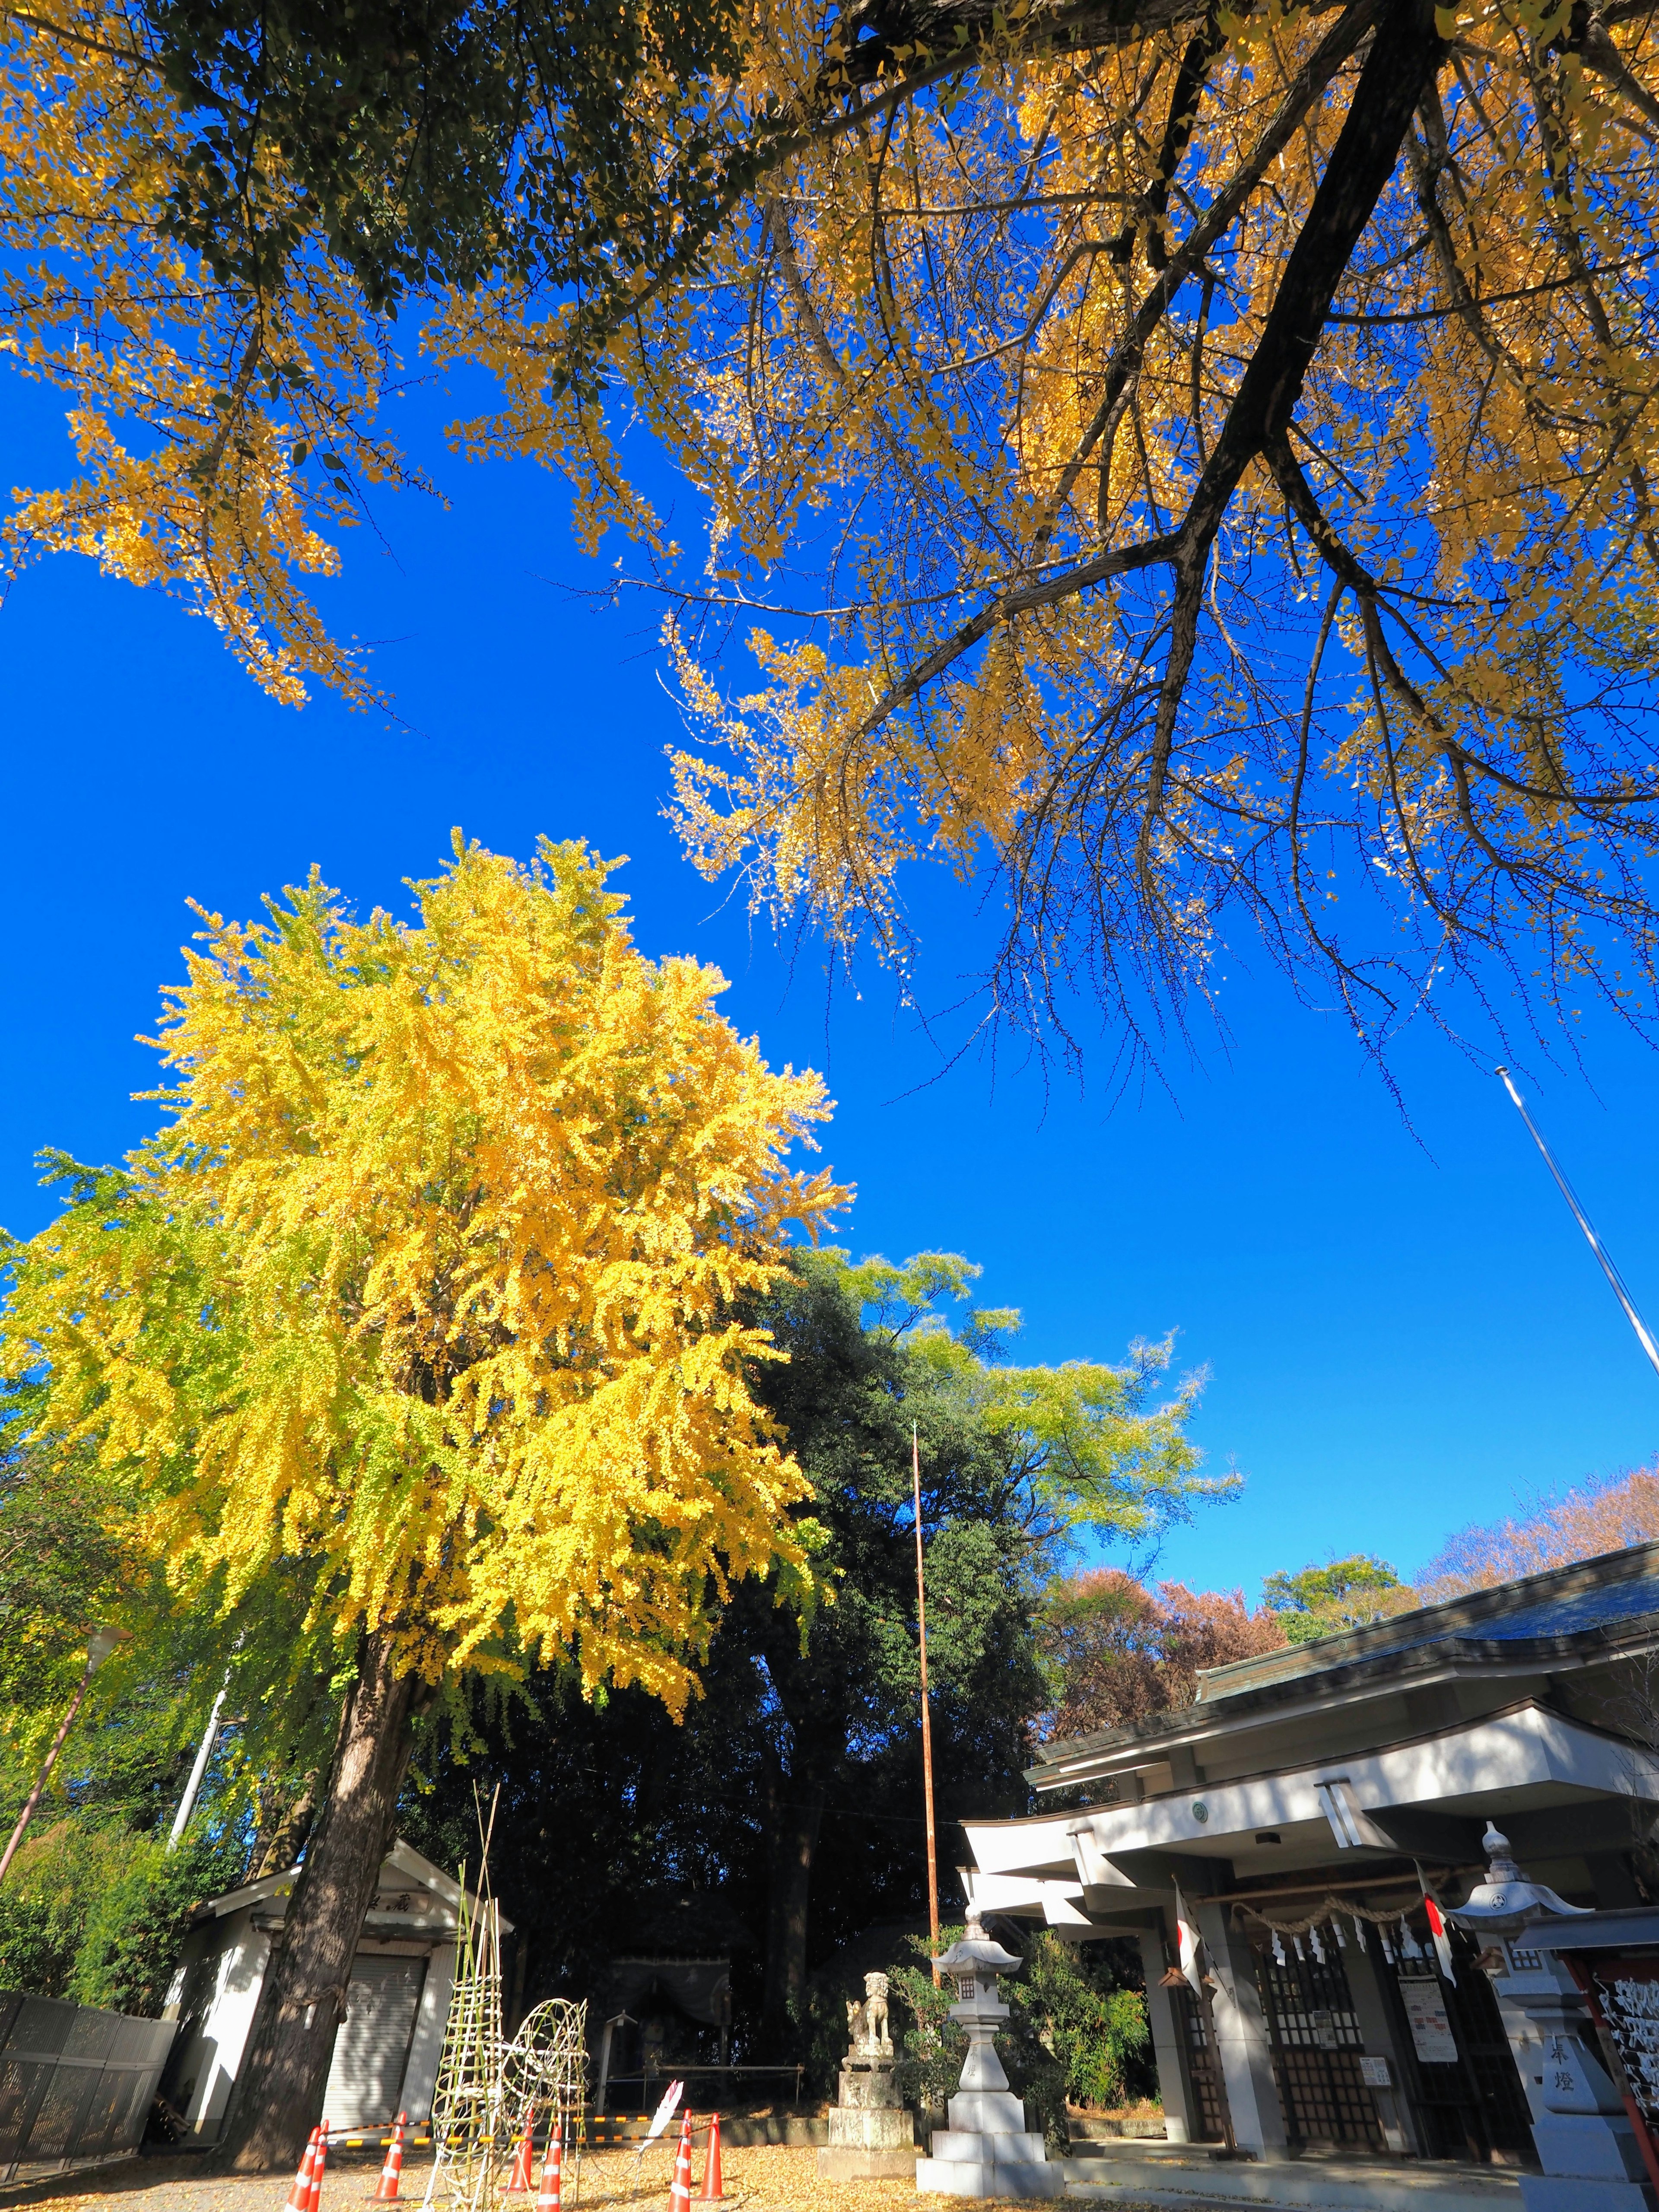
pixel 136 1929
pixel 98 1915
pixel 46 1902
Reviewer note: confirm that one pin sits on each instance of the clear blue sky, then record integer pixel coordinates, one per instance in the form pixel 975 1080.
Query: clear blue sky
pixel 1404 1331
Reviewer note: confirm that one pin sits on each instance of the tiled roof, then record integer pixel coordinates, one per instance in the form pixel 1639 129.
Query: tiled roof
pixel 1618 1588
pixel 1571 1616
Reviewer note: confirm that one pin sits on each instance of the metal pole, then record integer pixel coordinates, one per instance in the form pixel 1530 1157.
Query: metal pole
pixel 187 1802
pixel 1644 1335
pixel 97 1652
pixel 926 1719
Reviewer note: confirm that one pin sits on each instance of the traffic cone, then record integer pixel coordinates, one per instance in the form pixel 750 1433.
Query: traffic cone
pixel 520 2184
pixel 679 2197
pixel 299 2195
pixel 714 2182
pixel 386 2190
pixel 549 2197
pixel 315 2197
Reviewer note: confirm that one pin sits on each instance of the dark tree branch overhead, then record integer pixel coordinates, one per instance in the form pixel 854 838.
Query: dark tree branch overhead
pixel 996 323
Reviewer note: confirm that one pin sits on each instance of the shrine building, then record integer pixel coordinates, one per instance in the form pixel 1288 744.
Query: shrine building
pixel 1299 1817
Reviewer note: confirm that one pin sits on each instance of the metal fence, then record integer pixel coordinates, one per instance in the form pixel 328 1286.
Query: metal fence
pixel 75 2084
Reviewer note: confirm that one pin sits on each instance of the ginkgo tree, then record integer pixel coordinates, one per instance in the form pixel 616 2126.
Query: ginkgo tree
pixel 1192 463
pixel 425 1306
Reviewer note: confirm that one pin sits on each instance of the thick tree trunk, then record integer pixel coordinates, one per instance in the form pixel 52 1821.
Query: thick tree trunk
pixel 794 1839
pixel 280 2084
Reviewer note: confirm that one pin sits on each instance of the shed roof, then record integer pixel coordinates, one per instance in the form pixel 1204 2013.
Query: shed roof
pixel 402 1867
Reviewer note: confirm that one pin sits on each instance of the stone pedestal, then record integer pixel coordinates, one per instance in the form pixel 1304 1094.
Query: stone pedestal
pixel 1586 2144
pixel 987 2150
pixel 872 2136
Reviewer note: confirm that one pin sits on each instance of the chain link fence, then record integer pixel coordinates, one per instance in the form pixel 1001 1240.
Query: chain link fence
pixel 75 2084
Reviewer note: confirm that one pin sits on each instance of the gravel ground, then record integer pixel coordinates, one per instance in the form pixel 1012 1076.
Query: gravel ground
pixel 769 2179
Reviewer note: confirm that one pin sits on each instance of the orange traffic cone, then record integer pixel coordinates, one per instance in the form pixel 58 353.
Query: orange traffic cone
pixel 386 2190
pixel 679 2197
pixel 299 2195
pixel 522 2183
pixel 315 2197
pixel 714 2182
pixel 550 2196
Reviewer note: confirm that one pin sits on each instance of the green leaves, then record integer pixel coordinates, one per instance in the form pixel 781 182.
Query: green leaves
pixel 1345 1593
pixel 441 143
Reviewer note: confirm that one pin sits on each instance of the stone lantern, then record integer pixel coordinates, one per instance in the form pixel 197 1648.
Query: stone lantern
pixel 987 2150
pixel 1586 2145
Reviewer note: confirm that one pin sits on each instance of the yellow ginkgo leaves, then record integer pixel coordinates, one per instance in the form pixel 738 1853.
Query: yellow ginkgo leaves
pixel 430 1298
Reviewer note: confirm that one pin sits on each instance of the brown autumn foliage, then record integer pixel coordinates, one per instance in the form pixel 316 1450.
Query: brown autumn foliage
pixel 1595 1518
pixel 1119 1652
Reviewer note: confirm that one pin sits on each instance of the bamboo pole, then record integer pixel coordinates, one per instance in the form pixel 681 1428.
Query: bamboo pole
pixel 926 1717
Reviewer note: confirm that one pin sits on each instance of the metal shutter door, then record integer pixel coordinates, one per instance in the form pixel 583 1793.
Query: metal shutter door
pixel 371 2047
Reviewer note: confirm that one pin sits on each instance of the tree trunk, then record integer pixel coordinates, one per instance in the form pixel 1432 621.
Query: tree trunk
pixel 288 1837
pixel 795 1839
pixel 280 2083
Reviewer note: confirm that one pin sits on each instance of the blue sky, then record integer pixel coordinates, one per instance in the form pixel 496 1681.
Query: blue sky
pixel 1404 1331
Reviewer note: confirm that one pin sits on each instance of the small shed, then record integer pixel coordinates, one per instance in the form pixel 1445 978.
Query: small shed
pixel 386 2049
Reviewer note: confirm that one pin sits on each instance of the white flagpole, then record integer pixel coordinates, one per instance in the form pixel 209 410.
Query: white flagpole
pixel 1643 1336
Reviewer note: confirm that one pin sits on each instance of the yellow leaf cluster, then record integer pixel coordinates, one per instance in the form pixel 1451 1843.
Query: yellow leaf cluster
pixel 429 1300
pixel 953 381
pixel 967 377
pixel 194 408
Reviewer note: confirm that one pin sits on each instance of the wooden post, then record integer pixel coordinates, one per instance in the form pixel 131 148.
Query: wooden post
pixel 926 1719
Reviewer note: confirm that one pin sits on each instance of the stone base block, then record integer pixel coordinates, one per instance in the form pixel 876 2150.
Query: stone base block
pixel 1591 2146
pixel 870 2128
pixel 1566 2192
pixel 852 2162
pixel 988 2111
pixel 869 2084
pixel 1000 2146
pixel 976 2176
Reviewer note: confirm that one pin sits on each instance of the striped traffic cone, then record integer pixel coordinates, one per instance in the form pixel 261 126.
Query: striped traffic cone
pixel 315 2195
pixel 522 2183
pixel 386 2190
pixel 549 2197
pixel 714 2181
pixel 299 2195
pixel 679 2197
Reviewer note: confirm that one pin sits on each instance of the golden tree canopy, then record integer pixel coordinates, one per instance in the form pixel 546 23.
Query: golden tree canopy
pixel 427 1299
pixel 1194 462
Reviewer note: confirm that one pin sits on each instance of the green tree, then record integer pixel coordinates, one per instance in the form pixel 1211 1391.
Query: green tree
pixel 793 1786
pixel 1015 1460
pixel 1344 1594
pixel 430 143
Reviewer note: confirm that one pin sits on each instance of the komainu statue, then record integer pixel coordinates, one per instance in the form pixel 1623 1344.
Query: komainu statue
pixel 867 2023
